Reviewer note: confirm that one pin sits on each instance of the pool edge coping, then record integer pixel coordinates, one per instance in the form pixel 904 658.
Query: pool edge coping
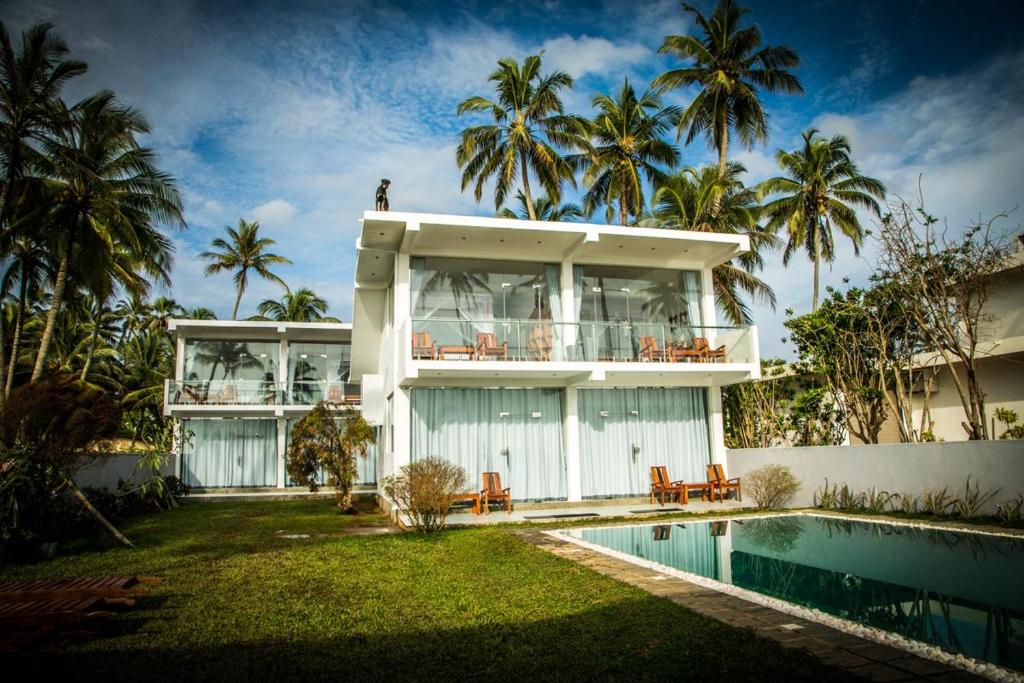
pixel 914 647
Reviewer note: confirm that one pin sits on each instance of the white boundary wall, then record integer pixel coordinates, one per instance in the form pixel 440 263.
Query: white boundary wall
pixel 105 470
pixel 896 468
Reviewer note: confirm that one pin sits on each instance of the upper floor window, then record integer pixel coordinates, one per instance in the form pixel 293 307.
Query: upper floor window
pixel 210 360
pixel 616 294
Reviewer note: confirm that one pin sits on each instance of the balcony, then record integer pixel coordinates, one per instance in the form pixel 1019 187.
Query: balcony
pixel 257 393
pixel 544 341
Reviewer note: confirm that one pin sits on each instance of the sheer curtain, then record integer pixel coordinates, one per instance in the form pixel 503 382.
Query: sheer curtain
pixel 689 283
pixel 231 453
pixel 577 295
pixel 516 432
pixel 552 282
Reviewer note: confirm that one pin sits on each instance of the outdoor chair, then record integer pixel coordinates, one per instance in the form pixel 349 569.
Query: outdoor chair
pixel 700 344
pixel 487 346
pixel 539 343
pixel 423 347
pixel 663 532
pixel 719 482
pixel 661 485
pixel 649 350
pixel 492 490
pixel 335 394
pixel 681 353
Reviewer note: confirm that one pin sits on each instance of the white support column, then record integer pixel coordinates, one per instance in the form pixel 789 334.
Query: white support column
pixel 179 361
pixel 717 426
pixel 282 428
pixel 707 304
pixel 573 471
pixel 282 370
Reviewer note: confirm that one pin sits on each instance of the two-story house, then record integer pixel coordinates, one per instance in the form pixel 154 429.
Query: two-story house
pixel 568 357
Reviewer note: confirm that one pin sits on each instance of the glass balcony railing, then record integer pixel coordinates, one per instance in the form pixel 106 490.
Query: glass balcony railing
pixel 544 340
pixel 232 392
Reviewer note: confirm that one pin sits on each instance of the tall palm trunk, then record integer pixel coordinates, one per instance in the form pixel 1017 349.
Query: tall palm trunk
pixel 3 343
pixel 238 300
pixel 817 267
pixel 16 342
pixel 51 318
pixel 623 213
pixel 526 186
pixel 92 350
pixel 723 147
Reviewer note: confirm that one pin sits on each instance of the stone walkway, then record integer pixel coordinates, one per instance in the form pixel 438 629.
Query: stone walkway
pixel 863 658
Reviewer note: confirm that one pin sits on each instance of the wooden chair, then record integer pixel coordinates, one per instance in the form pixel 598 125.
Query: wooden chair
pixel 649 350
pixel 487 346
pixel 540 343
pixel 423 347
pixel 335 394
pixel 661 484
pixel 680 353
pixel 492 491
pixel 228 394
pixel 719 482
pixel 663 532
pixel 708 354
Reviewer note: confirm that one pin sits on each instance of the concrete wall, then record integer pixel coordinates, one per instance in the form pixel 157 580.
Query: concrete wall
pixel 910 468
pixel 107 469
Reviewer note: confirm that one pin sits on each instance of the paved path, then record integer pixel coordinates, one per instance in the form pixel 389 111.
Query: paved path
pixel 860 657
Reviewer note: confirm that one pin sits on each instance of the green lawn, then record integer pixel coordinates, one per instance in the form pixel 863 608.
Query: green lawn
pixel 240 602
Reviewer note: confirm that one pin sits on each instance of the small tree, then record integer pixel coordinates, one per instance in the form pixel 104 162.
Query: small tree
pixel 945 283
pixel 329 439
pixel 424 490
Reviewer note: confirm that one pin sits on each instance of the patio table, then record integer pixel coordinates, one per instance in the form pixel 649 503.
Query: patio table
pixel 473 497
pixel 457 351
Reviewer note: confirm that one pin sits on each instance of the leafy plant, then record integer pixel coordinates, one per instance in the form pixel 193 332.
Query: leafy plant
pixel 424 491
pixel 937 502
pixel 907 503
pixel 329 439
pixel 1009 419
pixel 1011 511
pixel 771 486
pixel 826 496
pixel 849 500
pixel 973 500
pixel 876 501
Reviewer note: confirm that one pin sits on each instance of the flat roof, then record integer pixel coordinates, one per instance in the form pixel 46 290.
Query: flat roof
pixel 425 234
pixel 260 329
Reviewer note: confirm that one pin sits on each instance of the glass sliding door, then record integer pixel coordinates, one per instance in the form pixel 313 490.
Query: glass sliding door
pixel 230 453
pixel 318 371
pixel 230 372
pixel 625 432
pixel 515 432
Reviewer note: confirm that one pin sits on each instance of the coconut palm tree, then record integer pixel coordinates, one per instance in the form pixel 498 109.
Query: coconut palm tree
pixel 544 209
pixel 200 313
pixel 627 146
pixel 730 67
pixel 31 79
pixel 28 268
pixel 104 193
pixel 701 199
pixel 302 306
pixel 246 251
pixel 529 127
pixel 822 187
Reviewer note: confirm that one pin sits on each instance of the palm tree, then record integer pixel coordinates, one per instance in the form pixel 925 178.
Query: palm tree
pixel 730 66
pixel 544 209
pixel 627 144
pixel 200 313
pixel 701 199
pixel 303 306
pixel 528 127
pixel 245 251
pixel 822 187
pixel 30 82
pixel 105 192
pixel 161 310
pixel 28 267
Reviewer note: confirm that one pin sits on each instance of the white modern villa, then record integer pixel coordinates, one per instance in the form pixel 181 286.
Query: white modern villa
pixel 567 357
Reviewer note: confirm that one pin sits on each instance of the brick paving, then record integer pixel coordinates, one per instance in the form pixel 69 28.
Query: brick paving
pixel 863 658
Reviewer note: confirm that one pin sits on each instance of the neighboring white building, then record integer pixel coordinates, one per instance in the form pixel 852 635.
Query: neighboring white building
pixel 567 357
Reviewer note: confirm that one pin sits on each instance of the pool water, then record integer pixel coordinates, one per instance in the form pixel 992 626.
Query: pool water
pixel 962 592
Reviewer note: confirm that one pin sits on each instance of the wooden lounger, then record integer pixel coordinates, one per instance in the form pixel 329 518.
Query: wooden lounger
pixel 48 613
pixel 78 587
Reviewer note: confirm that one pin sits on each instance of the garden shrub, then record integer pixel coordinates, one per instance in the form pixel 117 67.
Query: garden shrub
pixel 424 490
pixel 771 486
pixel 973 501
pixel 1011 511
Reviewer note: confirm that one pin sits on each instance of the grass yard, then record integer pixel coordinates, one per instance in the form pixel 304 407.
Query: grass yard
pixel 240 602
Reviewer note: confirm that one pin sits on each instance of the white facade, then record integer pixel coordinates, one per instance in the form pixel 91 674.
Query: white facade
pixel 419 338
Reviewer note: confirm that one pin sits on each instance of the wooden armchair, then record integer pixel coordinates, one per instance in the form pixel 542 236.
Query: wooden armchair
pixel 492 491
pixel 540 343
pixel 708 354
pixel 335 394
pixel 721 484
pixel 661 484
pixel 649 350
pixel 423 347
pixel 487 346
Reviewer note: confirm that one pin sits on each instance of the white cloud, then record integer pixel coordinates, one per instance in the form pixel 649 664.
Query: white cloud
pixel 586 54
pixel 275 212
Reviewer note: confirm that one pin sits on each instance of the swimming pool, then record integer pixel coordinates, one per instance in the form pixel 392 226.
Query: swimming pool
pixel 959 591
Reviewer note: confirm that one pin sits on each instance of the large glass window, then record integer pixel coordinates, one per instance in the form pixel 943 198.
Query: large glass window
pixel 208 360
pixel 318 370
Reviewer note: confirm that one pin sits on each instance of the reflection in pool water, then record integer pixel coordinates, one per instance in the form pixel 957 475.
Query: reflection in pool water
pixel 959 591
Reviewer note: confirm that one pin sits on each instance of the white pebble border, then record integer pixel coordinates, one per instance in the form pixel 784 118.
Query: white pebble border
pixel 986 669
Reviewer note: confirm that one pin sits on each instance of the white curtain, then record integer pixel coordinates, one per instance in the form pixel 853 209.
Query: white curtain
pixel 552 283
pixel 516 432
pixel 230 453
pixel 689 281
pixel 624 432
pixel 577 294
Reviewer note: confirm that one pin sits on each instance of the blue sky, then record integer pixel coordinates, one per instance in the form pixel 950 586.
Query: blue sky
pixel 289 113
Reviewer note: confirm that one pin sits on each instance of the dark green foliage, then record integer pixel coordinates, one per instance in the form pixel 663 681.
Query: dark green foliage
pixel 329 439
